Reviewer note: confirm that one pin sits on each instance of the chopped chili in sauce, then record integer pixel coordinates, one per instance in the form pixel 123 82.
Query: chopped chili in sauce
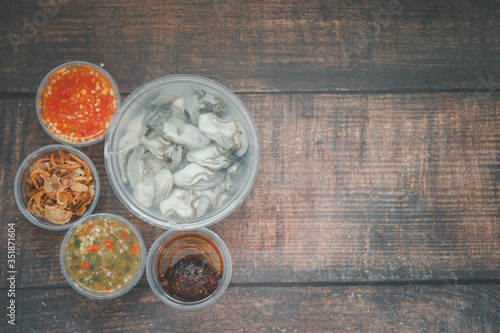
pixel 77 104
pixel 99 261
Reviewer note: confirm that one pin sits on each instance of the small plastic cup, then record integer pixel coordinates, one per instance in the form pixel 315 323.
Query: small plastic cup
pixel 23 172
pixel 174 245
pixel 54 74
pixel 75 284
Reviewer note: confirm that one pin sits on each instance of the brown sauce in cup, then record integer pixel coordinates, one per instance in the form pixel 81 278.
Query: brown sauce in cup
pixel 193 267
pixel 190 279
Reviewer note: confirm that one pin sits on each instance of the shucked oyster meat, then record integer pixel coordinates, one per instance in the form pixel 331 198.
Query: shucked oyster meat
pixel 184 204
pixel 228 133
pixel 184 134
pixel 212 157
pixel 196 177
pixel 198 102
pixel 182 153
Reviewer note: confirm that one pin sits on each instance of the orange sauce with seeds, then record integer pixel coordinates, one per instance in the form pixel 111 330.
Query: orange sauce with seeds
pixel 77 104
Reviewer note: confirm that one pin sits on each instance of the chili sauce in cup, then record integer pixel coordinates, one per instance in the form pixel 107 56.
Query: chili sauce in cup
pixel 76 102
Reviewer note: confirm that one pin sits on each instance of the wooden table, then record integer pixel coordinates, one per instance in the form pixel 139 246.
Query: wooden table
pixel 376 208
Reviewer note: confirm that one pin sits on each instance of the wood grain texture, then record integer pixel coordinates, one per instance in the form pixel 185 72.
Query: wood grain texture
pixel 351 188
pixel 259 46
pixel 259 309
pixel 377 205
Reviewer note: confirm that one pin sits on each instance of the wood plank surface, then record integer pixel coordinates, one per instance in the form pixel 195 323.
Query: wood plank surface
pixel 377 205
pixel 259 46
pixel 447 308
pixel 351 188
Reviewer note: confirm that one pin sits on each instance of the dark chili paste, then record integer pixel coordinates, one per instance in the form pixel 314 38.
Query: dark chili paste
pixel 190 279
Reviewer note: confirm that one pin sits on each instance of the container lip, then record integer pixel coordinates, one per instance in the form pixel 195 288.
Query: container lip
pixel 18 193
pixel 44 82
pixel 84 292
pixel 152 273
pixel 169 223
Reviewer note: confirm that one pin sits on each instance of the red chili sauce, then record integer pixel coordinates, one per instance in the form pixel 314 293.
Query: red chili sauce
pixel 77 104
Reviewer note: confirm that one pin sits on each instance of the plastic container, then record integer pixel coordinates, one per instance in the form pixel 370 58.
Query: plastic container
pixel 20 186
pixel 53 75
pixel 67 241
pixel 174 245
pixel 140 100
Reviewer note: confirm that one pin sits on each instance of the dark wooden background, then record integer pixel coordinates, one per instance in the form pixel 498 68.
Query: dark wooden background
pixel 376 208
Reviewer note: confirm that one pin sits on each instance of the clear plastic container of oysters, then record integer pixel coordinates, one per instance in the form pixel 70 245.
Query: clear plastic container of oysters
pixel 183 152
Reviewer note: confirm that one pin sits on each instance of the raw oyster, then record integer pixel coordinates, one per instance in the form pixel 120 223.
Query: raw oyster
pixel 184 204
pixel 162 148
pixel 233 169
pixel 165 99
pixel 135 125
pixel 196 177
pixel 157 145
pixel 211 156
pixel 184 134
pixel 144 190
pixel 198 102
pixel 126 146
pixel 218 194
pixel 163 183
pixel 178 107
pixel 155 164
pixel 180 155
pixel 167 103
pixel 154 179
pixel 182 164
pixel 135 166
pixel 228 134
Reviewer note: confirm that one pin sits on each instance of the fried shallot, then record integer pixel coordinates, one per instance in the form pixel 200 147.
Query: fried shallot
pixel 59 187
